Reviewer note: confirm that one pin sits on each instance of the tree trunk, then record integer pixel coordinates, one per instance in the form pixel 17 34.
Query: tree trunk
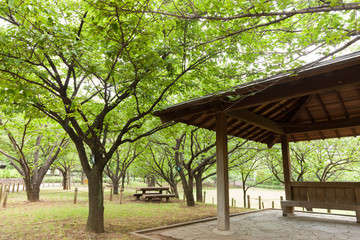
pixel 32 191
pixel 115 182
pixel 128 178
pixel 123 181
pixel 198 184
pixel 244 193
pixel 189 192
pixel 95 222
pixel 174 189
pixel 69 178
pixel 150 181
pixel 65 180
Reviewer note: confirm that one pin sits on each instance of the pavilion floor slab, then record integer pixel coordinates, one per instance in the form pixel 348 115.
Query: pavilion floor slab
pixel 269 225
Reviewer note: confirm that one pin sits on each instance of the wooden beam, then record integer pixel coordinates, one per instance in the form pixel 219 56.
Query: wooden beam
pixel 169 115
pixel 223 218
pixel 287 169
pixel 290 128
pixel 303 102
pixel 256 120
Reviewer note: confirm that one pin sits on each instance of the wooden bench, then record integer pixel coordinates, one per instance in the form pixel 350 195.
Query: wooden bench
pixel 157 196
pixel 137 195
pixel 326 195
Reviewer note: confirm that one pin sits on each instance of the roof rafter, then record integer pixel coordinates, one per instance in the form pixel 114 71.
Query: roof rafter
pixel 256 120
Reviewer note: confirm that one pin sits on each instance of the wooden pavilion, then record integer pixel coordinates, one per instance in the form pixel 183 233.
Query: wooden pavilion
pixel 319 102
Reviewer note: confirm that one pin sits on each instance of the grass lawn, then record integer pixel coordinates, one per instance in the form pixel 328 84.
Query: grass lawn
pixel 56 216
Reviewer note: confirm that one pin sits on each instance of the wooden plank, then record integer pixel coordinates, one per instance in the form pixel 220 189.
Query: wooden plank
pixel 320 194
pixel 295 193
pixel 350 195
pixel 330 195
pixel 326 184
pixel 303 192
pixel 316 204
pixel 340 195
pixel 357 194
pixel 312 193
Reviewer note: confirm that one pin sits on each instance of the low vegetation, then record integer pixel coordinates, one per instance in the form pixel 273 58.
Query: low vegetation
pixel 56 216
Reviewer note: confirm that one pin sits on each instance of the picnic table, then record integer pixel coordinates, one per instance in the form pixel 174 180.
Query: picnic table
pixel 150 193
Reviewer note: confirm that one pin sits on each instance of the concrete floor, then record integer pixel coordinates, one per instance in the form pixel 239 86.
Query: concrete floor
pixel 269 225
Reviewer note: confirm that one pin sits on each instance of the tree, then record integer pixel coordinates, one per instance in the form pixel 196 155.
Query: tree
pixel 248 161
pixel 332 158
pixel 65 163
pixel 194 155
pixel 94 66
pixel 116 168
pixel 321 160
pixel 31 146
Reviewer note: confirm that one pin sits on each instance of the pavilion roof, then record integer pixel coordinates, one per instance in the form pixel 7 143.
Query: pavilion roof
pixel 319 102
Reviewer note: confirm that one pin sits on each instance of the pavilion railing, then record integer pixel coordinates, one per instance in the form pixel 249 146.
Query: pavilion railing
pixel 329 192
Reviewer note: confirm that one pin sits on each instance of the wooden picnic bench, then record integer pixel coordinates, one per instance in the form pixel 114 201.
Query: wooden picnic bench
pixel 158 196
pixel 150 193
pixel 326 195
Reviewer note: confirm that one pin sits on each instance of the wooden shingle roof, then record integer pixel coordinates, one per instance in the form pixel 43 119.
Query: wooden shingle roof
pixel 317 103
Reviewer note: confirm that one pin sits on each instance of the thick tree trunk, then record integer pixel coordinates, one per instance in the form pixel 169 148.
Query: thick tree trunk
pixel 115 182
pixel 95 222
pixel 198 184
pixel 65 180
pixel 189 192
pixel 32 191
pixel 150 181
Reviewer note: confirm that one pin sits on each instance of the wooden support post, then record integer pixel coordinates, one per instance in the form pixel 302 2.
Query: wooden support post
pixel 248 201
pixel 17 189
pixel 223 218
pixel 273 205
pixel 232 202
pixel 121 195
pixel 111 193
pixel 204 200
pixel 6 197
pixel 281 198
pixel 259 202
pixel 75 196
pixel 287 170
pixel 23 186
pixel 13 188
pixel 262 204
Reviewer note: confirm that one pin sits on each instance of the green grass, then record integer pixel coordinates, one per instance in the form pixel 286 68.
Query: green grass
pixel 56 216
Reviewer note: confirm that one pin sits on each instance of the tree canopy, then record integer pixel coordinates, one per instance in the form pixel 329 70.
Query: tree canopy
pixel 104 66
